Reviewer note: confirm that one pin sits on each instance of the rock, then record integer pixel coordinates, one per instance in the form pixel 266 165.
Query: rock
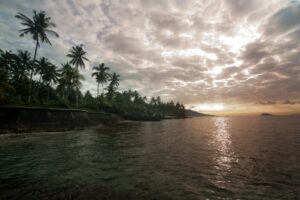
pixel 24 119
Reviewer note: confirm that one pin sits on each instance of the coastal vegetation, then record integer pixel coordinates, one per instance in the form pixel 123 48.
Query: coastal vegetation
pixel 27 80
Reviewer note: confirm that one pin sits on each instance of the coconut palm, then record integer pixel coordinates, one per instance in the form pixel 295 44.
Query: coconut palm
pixel 39 28
pixel 69 80
pixel 21 65
pixel 77 55
pixel 40 66
pixel 49 75
pixel 112 87
pixel 101 75
pixel 6 61
pixel 115 80
pixel 66 80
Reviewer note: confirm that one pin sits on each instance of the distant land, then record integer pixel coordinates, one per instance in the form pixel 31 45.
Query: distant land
pixel 192 113
pixel 266 114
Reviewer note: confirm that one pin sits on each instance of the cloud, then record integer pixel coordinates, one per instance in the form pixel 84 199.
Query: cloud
pixel 283 21
pixel 291 102
pixel 219 51
pixel 266 102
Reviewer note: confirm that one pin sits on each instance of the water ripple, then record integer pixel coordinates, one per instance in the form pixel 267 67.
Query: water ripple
pixel 201 158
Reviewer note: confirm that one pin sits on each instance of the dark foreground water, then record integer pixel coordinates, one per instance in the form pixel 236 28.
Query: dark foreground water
pixel 200 158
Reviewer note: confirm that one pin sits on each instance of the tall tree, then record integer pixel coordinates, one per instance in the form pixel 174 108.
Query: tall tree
pixel 6 61
pixel 112 87
pixel 101 75
pixel 66 80
pixel 77 55
pixel 115 78
pixel 41 65
pixel 39 28
pixel 21 65
pixel 50 74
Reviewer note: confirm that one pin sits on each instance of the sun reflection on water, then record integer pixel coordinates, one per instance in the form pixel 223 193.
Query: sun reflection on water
pixel 224 156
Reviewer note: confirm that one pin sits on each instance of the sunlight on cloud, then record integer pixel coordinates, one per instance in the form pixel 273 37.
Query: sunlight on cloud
pixel 236 50
pixel 189 53
pixel 215 71
pixel 210 107
pixel 244 35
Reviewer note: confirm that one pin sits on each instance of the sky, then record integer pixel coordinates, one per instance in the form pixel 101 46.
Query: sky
pixel 215 56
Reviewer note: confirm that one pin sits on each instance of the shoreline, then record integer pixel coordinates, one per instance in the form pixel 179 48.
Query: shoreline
pixel 21 119
pixel 33 119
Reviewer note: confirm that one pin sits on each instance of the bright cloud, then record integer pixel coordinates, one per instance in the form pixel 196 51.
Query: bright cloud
pixel 230 51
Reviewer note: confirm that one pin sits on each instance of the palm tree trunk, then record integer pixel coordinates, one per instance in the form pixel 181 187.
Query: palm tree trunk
pixel 38 89
pixel 68 93
pixel 31 73
pixel 98 90
pixel 77 87
pixel 48 92
pixel 63 95
pixel 77 95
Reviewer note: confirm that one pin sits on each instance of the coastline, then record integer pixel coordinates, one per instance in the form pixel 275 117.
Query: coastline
pixel 19 119
pixel 34 119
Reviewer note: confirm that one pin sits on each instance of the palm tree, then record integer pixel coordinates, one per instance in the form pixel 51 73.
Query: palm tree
pixel 69 79
pixel 112 87
pixel 77 83
pixel 21 65
pixel 6 61
pixel 77 55
pixel 101 75
pixel 39 28
pixel 50 74
pixel 41 66
pixel 66 80
pixel 115 80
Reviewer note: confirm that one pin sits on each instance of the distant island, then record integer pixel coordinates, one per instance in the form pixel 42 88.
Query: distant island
pixel 191 113
pixel 266 114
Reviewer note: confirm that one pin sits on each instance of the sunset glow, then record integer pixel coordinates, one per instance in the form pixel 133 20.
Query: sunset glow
pixel 150 99
pixel 210 107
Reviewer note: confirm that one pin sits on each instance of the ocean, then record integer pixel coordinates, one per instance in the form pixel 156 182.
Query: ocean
pixel 198 158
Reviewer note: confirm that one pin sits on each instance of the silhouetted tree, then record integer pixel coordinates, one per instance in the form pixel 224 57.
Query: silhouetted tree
pixel 77 55
pixel 21 65
pixel 66 80
pixel 50 74
pixel 112 87
pixel 39 28
pixel 101 75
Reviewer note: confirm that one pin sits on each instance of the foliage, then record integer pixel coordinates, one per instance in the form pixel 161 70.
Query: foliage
pixel 101 75
pixel 39 28
pixel 53 86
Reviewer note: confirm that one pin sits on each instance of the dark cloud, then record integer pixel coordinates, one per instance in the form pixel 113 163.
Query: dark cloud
pixel 266 102
pixel 284 20
pixel 291 102
pixel 228 50
pixel 123 44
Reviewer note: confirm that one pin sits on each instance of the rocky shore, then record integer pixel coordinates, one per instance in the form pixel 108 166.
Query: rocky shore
pixel 31 119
